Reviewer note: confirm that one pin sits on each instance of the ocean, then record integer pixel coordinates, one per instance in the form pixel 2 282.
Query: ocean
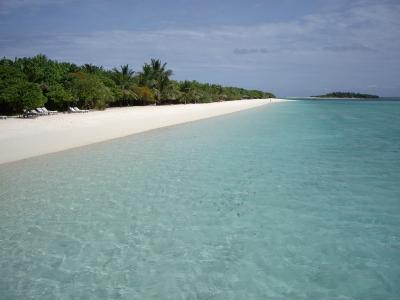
pixel 296 200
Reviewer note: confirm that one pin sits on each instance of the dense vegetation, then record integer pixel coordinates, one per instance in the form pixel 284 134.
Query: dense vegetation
pixel 346 95
pixel 31 82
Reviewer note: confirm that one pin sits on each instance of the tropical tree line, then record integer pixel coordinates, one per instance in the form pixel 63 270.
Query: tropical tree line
pixel 30 82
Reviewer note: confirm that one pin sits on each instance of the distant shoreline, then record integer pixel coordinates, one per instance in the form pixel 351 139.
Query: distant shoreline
pixel 332 98
pixel 335 98
pixel 26 138
pixel 347 95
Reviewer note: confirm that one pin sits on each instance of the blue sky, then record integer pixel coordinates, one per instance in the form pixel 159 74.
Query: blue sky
pixel 289 47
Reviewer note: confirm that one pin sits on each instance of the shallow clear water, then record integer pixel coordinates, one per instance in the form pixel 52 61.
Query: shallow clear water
pixel 290 201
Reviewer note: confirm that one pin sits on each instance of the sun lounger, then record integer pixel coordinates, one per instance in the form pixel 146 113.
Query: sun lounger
pixel 81 110
pixel 34 112
pixel 49 112
pixel 30 114
pixel 72 110
pixel 77 110
pixel 41 111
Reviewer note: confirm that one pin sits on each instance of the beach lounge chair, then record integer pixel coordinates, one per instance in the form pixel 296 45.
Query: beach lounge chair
pixel 30 114
pixel 34 112
pixel 41 111
pixel 81 110
pixel 72 110
pixel 49 112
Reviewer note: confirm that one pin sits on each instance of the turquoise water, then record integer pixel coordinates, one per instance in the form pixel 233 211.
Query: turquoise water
pixel 296 200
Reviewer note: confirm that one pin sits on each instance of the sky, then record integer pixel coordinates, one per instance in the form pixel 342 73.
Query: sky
pixel 288 47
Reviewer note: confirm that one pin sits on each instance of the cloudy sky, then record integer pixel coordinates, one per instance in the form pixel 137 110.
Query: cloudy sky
pixel 289 47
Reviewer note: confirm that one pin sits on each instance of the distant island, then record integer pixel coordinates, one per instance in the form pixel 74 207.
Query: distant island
pixel 346 95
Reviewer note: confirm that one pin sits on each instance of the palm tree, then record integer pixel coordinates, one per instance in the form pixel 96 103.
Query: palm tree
pixel 191 91
pixel 156 76
pixel 89 68
pixel 124 76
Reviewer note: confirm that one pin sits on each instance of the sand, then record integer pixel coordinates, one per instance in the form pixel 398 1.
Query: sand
pixel 25 138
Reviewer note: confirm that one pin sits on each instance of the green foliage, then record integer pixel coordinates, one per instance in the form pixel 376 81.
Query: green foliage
pixel 92 69
pixel 30 96
pixel 90 91
pixel 6 62
pixel 346 95
pixel 193 92
pixel 123 77
pixel 124 81
pixel 16 93
pixel 9 75
pixel 29 82
pixel 21 95
pixel 39 69
pixel 156 76
pixel 144 94
pixel 125 97
pixel 58 97
pixel 172 93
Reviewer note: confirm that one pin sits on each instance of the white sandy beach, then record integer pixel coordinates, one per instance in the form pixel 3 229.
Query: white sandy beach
pixel 25 138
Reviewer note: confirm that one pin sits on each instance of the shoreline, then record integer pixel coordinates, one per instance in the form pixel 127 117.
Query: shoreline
pixel 331 98
pixel 26 138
